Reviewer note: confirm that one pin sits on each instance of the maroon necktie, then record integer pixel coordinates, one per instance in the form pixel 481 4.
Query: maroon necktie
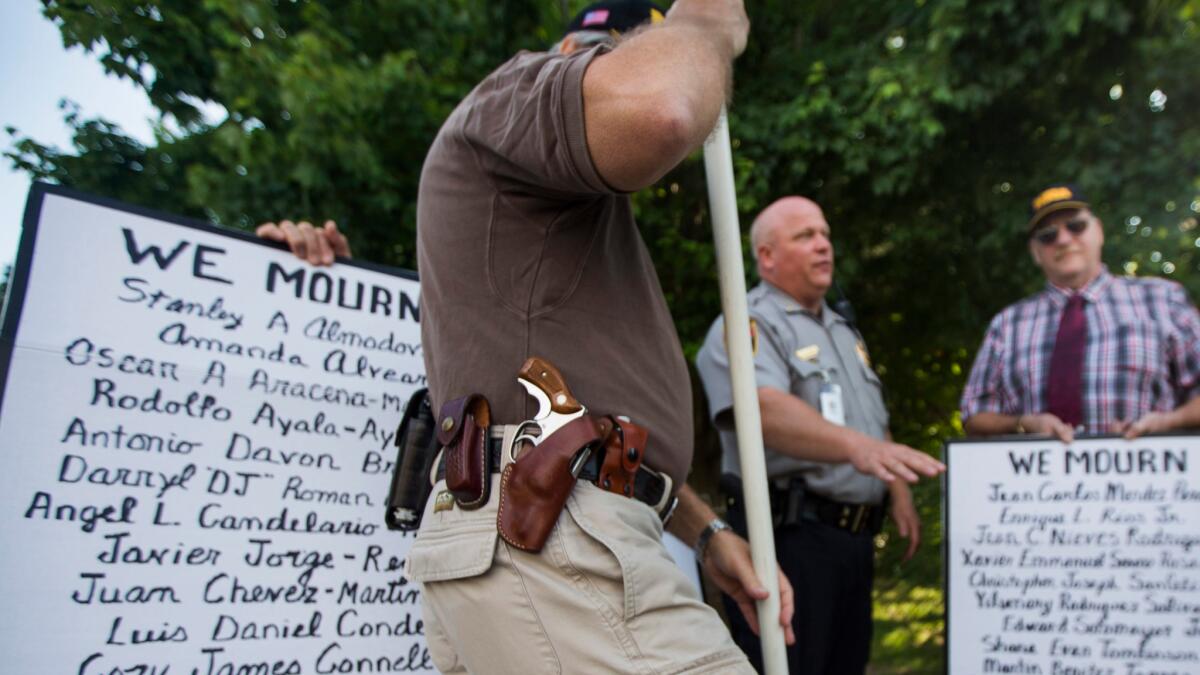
pixel 1064 390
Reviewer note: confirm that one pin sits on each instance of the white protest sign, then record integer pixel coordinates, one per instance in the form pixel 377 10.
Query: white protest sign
pixel 196 445
pixel 196 439
pixel 1073 560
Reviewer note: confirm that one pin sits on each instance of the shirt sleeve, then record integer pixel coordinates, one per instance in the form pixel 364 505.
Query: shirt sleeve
pixel 526 126
pixel 1184 350
pixel 712 362
pixel 985 390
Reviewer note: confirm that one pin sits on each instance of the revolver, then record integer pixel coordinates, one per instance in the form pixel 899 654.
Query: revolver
pixel 556 407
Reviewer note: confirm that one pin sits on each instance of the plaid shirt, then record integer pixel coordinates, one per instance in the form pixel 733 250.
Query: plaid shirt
pixel 1142 354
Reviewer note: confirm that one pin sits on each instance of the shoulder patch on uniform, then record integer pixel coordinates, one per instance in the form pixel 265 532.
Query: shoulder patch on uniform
pixel 753 337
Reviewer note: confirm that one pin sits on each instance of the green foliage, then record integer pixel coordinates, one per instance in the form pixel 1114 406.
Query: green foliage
pixel 922 126
pixel 330 105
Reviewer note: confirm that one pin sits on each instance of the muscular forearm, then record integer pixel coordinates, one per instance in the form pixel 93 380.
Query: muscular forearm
pixel 691 516
pixel 655 98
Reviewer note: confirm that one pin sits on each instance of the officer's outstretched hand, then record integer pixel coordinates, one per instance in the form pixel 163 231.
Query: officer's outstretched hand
pixel 316 245
pixel 888 461
pixel 727 561
pixel 908 523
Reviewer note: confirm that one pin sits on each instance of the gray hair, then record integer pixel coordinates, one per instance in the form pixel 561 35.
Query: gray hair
pixel 758 233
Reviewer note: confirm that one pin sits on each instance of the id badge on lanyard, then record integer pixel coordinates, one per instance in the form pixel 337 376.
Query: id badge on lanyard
pixel 832 408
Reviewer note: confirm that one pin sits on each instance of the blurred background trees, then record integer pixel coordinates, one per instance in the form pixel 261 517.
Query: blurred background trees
pixel 922 126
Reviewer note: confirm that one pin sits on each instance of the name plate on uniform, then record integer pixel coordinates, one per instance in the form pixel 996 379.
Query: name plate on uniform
pixel 1073 559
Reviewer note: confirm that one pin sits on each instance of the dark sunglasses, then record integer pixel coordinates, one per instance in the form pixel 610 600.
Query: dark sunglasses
pixel 1049 235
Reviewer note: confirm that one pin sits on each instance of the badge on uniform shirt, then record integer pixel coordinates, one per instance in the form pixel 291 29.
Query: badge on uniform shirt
pixel 831 403
pixel 863 356
pixel 809 353
pixel 753 338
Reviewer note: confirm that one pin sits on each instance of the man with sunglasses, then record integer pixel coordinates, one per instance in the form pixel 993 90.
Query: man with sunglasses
pixel 1092 353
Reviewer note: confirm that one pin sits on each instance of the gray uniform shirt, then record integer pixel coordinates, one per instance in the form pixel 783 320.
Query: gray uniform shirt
pixel 797 352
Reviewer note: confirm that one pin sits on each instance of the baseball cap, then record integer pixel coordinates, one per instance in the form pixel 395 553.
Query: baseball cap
pixel 615 16
pixel 1055 198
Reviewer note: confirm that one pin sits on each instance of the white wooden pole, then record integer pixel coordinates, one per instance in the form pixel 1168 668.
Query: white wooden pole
pixel 722 200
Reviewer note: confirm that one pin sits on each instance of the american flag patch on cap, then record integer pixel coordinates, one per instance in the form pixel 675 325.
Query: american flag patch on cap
pixel 596 16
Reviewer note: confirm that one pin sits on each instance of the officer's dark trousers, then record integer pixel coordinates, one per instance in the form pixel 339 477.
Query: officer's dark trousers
pixel 831 572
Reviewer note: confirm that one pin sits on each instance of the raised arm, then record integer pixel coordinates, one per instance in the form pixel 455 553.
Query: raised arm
pixel 654 99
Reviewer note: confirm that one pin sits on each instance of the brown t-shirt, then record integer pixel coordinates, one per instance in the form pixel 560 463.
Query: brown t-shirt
pixel 523 250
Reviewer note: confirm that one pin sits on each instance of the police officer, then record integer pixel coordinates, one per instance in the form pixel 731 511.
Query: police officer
pixel 829 459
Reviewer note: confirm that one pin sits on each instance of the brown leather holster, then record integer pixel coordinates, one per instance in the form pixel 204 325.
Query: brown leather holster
pixel 535 487
pixel 462 431
pixel 623 452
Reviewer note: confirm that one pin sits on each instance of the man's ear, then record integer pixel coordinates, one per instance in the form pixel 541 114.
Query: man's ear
pixel 765 257
pixel 567 44
pixel 1035 252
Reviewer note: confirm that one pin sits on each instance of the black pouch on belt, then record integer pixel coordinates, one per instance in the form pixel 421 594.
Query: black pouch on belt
pixel 417 449
pixel 463 431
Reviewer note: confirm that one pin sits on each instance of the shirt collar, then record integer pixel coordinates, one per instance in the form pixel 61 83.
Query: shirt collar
pixel 789 305
pixel 1058 295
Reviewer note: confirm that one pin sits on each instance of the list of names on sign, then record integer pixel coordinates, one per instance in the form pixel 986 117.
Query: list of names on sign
pixel 196 439
pixel 1074 560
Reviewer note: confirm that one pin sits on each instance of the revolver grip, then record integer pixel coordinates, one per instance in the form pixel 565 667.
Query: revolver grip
pixel 543 375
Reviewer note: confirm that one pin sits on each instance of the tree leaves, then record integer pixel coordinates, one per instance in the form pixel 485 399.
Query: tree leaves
pixel 923 128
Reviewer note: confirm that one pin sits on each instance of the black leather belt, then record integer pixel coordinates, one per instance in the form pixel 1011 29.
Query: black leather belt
pixel 649 486
pixel 795 503
pixel 854 518
pixel 792 503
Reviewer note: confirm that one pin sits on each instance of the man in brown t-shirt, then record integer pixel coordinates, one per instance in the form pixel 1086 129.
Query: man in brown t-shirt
pixel 527 247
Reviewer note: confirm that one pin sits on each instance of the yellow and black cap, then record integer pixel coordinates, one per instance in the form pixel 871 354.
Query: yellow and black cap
pixel 1054 198
pixel 615 16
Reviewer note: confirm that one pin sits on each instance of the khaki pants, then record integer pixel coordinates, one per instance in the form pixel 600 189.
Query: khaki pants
pixel 603 595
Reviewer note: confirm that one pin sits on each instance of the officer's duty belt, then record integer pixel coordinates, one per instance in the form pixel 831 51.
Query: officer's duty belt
pixel 795 503
pixel 649 486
